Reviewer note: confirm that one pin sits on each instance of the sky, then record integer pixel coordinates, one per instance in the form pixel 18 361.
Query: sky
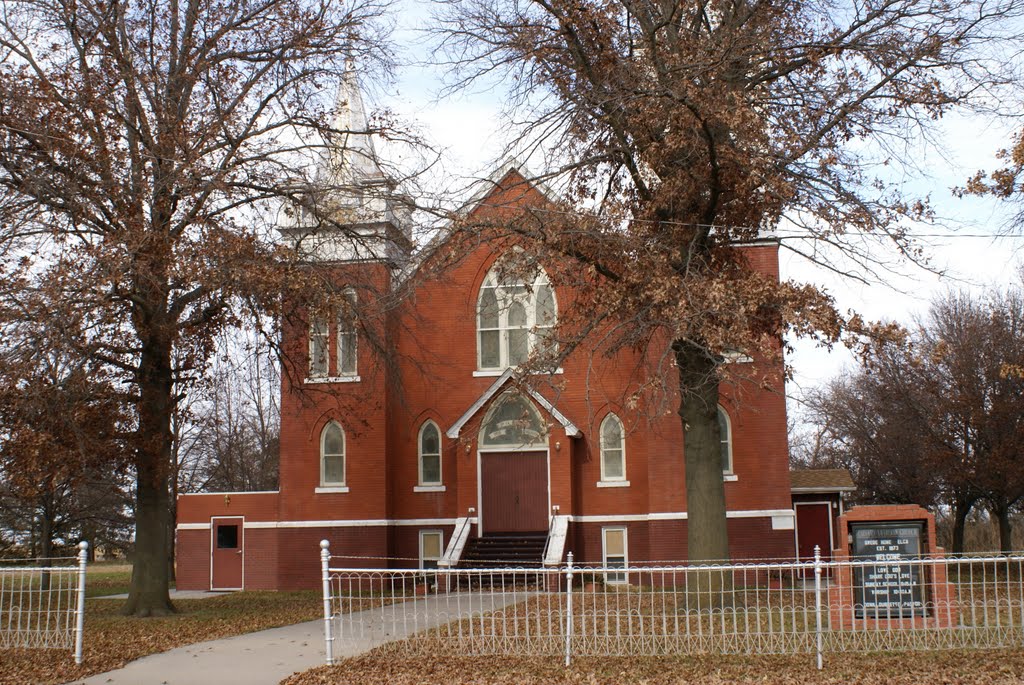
pixel 964 251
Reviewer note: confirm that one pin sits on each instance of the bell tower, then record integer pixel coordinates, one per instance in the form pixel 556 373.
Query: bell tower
pixel 345 207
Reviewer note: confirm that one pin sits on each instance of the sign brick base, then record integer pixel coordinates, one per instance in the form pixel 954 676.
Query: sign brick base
pixel 935 605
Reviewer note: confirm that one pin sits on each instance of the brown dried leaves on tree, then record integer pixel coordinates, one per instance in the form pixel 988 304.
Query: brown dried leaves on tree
pixel 678 131
pixel 145 149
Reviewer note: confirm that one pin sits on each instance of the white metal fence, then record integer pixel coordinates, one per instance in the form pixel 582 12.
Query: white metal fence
pixel 812 608
pixel 43 606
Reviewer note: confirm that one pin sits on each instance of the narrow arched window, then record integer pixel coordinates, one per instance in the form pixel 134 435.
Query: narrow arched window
pixel 725 437
pixel 332 455
pixel 613 450
pixel 430 454
pixel 515 317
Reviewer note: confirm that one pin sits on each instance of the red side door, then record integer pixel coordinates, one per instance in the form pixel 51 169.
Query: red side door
pixel 813 527
pixel 515 492
pixel 227 553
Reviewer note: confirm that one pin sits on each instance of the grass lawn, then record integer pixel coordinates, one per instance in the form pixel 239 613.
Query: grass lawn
pixel 990 667
pixel 107 579
pixel 111 640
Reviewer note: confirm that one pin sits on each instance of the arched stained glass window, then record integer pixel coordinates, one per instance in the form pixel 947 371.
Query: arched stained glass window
pixel 430 454
pixel 513 422
pixel 725 436
pixel 613 449
pixel 515 316
pixel 332 455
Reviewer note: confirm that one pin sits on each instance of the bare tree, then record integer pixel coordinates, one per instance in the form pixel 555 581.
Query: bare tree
pixel 937 420
pixel 144 149
pixel 233 442
pixel 678 131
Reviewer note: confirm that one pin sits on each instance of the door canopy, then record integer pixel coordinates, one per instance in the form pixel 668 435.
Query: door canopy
pixel 513 423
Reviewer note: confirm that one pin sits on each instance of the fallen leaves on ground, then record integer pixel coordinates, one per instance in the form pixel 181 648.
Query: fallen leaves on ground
pixel 112 640
pixel 982 667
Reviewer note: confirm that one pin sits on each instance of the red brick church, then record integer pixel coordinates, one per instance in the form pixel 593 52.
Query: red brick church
pixel 436 454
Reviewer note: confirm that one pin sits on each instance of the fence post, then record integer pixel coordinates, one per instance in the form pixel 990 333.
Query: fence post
pixel 817 601
pixel 83 559
pixel 325 560
pixel 568 608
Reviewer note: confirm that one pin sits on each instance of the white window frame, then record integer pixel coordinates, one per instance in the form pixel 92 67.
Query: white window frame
pixel 611 577
pixel 347 334
pixel 422 484
pixel 505 298
pixel 319 327
pixel 424 533
pixel 333 486
pixel 729 473
pixel 606 480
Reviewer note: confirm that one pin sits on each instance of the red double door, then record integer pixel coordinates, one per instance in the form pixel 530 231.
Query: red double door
pixel 514 492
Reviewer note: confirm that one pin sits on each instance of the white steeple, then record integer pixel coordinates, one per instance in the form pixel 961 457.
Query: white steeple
pixel 351 159
pixel 351 211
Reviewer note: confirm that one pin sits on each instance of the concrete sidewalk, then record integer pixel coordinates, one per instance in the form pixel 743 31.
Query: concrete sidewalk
pixel 175 594
pixel 269 656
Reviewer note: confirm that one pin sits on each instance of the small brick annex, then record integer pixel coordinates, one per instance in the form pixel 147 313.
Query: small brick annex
pixel 420 364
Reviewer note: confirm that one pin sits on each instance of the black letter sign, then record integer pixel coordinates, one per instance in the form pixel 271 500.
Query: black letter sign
pixel 891 588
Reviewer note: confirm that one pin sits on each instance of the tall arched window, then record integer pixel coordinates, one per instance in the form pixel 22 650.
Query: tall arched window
pixel 332 455
pixel 613 450
pixel 515 316
pixel 430 454
pixel 725 436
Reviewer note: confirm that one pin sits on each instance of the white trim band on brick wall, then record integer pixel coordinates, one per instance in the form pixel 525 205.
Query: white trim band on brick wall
pixel 329 524
pixel 679 516
pixel 781 520
pixel 221 494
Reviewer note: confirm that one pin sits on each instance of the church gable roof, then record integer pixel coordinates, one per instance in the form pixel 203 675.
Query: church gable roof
pixel 570 428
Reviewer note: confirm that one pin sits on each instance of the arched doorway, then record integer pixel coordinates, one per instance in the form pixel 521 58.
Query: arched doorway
pixel 513 467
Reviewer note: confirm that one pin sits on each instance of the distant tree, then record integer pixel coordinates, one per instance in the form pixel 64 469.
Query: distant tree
pixel 145 150
pixel 973 346
pixel 876 425
pixel 677 131
pixel 63 450
pixel 938 419
pixel 233 442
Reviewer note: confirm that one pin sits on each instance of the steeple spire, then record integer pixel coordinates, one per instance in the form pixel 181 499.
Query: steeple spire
pixel 351 211
pixel 351 159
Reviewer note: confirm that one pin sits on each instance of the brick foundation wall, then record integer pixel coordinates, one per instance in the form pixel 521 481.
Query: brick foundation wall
pixel 192 557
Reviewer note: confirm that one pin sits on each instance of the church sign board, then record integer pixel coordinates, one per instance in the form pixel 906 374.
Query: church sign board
pixel 887 556
pixel 894 586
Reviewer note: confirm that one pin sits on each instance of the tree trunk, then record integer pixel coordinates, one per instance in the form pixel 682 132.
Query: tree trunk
pixel 45 544
pixel 1002 513
pixel 961 509
pixel 707 535
pixel 149 594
